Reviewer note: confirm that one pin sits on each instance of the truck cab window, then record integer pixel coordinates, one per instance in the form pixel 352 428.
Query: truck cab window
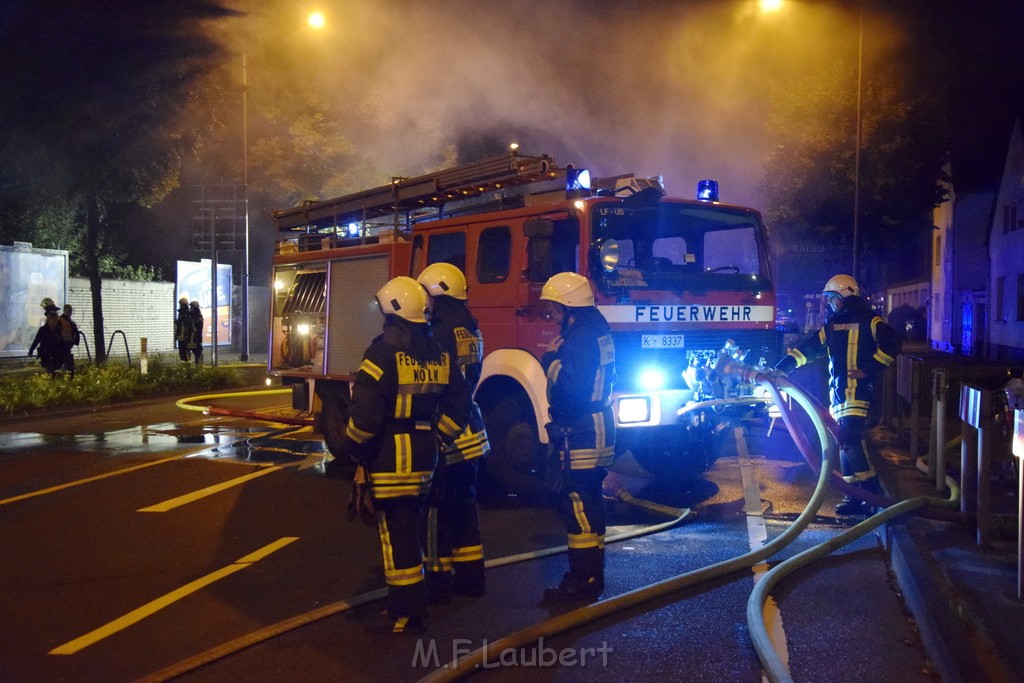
pixel 493 254
pixel 447 248
pixel 562 247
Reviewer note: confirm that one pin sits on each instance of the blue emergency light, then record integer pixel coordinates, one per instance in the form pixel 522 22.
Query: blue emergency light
pixel 707 190
pixel 576 178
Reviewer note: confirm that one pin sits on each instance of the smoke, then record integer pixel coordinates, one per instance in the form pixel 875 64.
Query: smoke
pixel 678 89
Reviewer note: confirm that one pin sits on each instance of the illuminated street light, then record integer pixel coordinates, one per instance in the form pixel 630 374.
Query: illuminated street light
pixel 316 21
pixel 768 6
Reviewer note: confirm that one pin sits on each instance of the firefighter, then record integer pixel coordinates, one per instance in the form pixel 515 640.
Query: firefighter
pixel 195 331
pixel 406 397
pixel 860 345
pixel 181 329
pixel 453 543
pixel 580 367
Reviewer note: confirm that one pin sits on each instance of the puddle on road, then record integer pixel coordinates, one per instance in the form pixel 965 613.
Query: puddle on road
pixel 248 444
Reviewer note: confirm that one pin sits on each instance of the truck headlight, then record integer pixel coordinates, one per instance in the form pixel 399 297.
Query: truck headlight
pixel 634 409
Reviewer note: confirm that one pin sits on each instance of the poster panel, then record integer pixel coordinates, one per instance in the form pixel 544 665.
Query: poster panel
pixel 193 283
pixel 27 276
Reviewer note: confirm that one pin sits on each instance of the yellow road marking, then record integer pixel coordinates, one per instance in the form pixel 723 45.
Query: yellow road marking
pixel 87 480
pixel 208 491
pixel 149 608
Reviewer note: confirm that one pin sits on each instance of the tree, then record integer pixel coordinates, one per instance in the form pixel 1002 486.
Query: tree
pixel 810 173
pixel 92 117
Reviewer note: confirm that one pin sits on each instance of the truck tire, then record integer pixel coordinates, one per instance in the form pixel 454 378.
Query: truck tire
pixel 331 422
pixel 516 461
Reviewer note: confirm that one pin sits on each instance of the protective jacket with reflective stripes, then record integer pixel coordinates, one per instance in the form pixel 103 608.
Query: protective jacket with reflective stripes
pixel 405 390
pixel 454 327
pixel 580 371
pixel 855 338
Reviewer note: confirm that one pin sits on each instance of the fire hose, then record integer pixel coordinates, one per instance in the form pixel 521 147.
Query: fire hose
pixel 772 663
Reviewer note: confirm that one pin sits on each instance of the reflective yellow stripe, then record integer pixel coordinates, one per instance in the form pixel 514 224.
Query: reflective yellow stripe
pixel 403 453
pixel 586 540
pixel 370 369
pixel 470 553
pixel 404 577
pixel 385 542
pixel 387 492
pixel 801 359
pixel 883 358
pixel 447 425
pixel 403 406
pixel 357 434
pixel 852 341
pixel 579 513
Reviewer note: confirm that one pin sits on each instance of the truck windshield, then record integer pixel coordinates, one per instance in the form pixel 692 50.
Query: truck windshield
pixel 684 246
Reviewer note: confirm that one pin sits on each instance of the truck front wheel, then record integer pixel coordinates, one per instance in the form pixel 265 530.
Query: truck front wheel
pixel 516 461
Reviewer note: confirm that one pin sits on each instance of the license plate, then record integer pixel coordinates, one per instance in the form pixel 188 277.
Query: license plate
pixel 661 341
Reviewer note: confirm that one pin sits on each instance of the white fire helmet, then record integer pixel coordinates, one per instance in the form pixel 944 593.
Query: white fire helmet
pixel 405 298
pixel 569 289
pixel 444 279
pixel 843 285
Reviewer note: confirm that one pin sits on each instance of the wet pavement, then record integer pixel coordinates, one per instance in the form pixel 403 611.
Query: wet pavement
pixel 963 597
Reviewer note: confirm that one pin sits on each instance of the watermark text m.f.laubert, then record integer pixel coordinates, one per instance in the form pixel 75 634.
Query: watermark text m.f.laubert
pixel 427 654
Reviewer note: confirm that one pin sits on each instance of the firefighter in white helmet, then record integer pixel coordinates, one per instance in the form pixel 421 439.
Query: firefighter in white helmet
pixel 860 345
pixel 407 394
pixel 454 552
pixel 580 367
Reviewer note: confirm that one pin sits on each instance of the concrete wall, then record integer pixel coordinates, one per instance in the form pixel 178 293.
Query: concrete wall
pixel 147 309
pixel 139 309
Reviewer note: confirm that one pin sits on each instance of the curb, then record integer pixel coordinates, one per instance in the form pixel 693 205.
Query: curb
pixel 949 639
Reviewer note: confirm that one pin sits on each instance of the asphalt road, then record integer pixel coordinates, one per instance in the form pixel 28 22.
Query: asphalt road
pixel 137 537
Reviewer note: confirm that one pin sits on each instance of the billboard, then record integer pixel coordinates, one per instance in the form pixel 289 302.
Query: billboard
pixel 193 283
pixel 27 276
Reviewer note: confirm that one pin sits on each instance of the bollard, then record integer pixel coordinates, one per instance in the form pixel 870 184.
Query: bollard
pixel 975 458
pixel 940 388
pixel 143 357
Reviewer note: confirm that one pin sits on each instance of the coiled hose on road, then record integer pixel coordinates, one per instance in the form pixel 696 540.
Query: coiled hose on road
pixel 774 667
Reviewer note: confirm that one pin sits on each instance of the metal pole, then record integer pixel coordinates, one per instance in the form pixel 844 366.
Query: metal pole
pixel 244 342
pixel 213 291
pixel 856 154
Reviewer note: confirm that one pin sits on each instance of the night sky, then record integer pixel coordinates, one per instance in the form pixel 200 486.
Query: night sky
pixel 676 88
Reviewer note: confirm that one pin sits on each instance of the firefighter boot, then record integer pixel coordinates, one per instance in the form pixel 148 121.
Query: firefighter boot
pixel 574 589
pixel 439 587
pixel 387 623
pixel 469 578
pixel 584 581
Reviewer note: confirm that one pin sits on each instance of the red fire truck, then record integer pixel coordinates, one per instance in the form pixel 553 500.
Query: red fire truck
pixel 680 281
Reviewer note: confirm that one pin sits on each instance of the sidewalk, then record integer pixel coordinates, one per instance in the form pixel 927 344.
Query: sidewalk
pixel 964 598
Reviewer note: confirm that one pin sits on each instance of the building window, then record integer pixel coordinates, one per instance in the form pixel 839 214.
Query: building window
pixel 493 254
pixel 1000 289
pixel 1013 217
pixel 1020 298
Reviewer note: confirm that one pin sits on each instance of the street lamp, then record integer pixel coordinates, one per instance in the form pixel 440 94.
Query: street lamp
pixel 316 21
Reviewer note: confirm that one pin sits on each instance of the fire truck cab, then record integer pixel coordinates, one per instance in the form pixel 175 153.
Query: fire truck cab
pixel 680 281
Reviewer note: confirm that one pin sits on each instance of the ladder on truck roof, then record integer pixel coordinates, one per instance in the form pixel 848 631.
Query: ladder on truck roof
pixel 427 191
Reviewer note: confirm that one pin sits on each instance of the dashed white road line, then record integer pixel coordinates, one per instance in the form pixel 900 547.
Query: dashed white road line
pixel 757 536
